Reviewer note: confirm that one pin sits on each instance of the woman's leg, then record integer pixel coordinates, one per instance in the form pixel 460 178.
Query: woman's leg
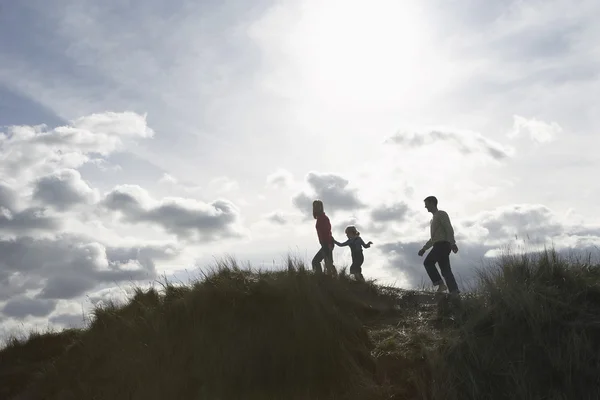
pixel 329 267
pixel 316 261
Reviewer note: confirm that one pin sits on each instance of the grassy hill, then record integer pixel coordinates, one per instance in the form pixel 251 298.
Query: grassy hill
pixel 531 330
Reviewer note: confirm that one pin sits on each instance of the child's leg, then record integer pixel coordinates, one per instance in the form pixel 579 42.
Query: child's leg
pixel 355 268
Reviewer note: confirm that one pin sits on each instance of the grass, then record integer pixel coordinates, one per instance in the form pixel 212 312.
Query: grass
pixel 530 330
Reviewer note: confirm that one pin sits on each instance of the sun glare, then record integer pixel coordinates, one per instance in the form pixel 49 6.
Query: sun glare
pixel 356 53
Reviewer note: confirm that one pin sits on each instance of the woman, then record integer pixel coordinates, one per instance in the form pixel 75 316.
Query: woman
pixel 325 253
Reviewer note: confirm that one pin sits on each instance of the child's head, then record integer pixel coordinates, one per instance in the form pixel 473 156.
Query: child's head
pixel 317 208
pixel 351 231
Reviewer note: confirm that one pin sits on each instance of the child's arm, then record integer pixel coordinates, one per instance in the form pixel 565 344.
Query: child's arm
pixel 365 245
pixel 341 244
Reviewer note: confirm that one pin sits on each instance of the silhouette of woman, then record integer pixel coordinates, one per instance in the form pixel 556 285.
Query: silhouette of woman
pixel 325 253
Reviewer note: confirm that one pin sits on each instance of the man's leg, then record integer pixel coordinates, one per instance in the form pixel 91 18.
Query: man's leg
pixel 444 263
pixel 316 261
pixel 430 267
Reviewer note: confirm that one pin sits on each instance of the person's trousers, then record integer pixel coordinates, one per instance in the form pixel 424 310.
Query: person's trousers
pixel 440 253
pixel 325 253
pixel 357 261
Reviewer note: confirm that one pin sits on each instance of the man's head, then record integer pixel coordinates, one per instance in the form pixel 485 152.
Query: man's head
pixel 431 203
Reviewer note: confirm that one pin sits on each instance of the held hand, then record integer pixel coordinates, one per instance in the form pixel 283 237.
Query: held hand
pixel 370 243
pixel 421 252
pixel 454 248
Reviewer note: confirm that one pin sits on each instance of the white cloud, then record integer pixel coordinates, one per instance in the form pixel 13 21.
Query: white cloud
pixel 223 184
pixel 167 179
pixel 278 217
pixel 185 218
pixel 68 266
pixel 538 131
pixel 332 189
pixel 55 243
pixel 64 189
pixel 465 142
pixel 24 306
pixel 32 151
pixel 384 213
pixel 281 178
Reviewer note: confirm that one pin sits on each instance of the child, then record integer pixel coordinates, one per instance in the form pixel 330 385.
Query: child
pixel 356 244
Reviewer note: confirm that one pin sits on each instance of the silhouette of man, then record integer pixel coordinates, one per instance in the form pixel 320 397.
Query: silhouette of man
pixel 442 242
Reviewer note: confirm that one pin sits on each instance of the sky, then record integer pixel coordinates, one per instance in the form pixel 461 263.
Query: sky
pixel 141 142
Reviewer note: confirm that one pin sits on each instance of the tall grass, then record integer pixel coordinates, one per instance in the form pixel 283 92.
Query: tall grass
pixel 530 330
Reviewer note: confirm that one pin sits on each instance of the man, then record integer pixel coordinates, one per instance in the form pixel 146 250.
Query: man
pixel 442 241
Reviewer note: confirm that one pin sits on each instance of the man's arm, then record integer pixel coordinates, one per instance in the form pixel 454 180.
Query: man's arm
pixel 445 222
pixel 428 244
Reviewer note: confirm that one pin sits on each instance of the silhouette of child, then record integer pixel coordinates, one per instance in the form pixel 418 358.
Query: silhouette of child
pixel 356 244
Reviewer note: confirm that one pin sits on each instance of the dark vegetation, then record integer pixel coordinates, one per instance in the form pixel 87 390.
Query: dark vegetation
pixel 530 330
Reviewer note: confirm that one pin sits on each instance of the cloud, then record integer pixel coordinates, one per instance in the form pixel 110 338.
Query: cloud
pixel 146 255
pixel 45 258
pixel 277 217
pixel 8 198
pixel 22 307
pixel 38 272
pixel 534 222
pixel 24 220
pixel 69 320
pixel 539 131
pixel 341 226
pixel 167 179
pixel 66 287
pixel 27 221
pixel 393 212
pixel 174 184
pixel 464 141
pixel 332 189
pixel 63 190
pixel 185 218
pixel 103 165
pixel 281 178
pixel 33 151
pixel 223 184
pixel 115 126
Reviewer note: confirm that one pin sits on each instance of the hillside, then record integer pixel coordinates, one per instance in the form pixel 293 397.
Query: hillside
pixel 531 330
